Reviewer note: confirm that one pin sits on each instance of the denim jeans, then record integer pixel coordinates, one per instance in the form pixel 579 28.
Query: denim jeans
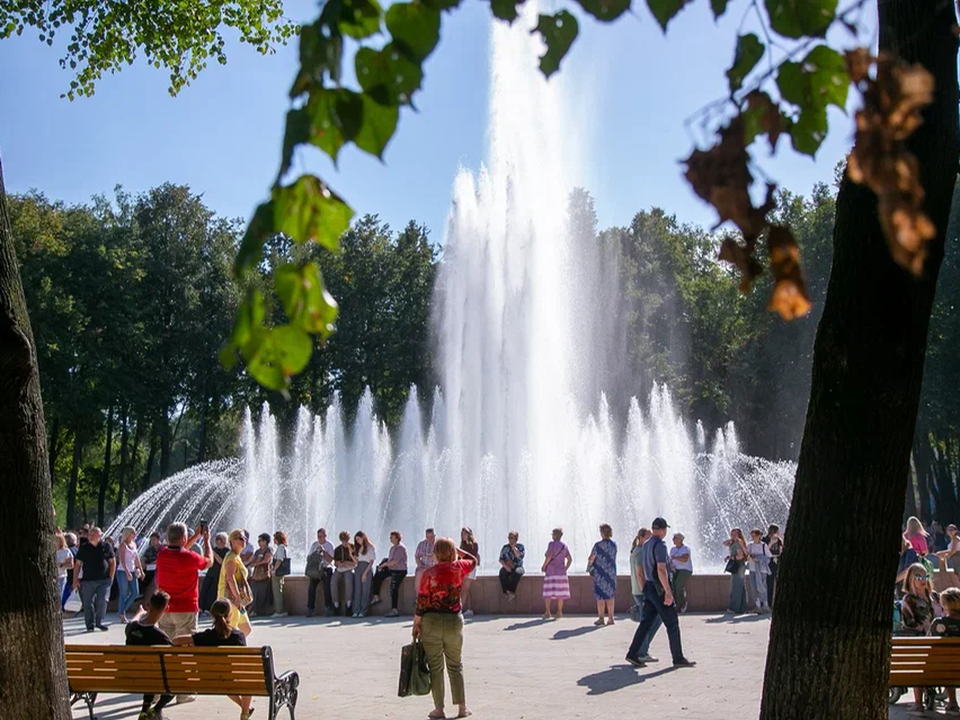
pixel 759 583
pixel 94 595
pixel 652 608
pixel 347 578
pixel 396 580
pixel 645 644
pixel 129 589
pixel 361 587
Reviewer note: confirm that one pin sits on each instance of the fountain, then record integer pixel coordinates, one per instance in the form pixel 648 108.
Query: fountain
pixel 520 434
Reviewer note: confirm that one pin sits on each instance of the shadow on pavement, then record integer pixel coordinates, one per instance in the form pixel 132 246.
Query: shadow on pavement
pixel 732 619
pixel 528 624
pixel 576 632
pixel 618 677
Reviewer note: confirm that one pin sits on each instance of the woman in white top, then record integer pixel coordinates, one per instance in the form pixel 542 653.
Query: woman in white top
pixel 759 562
pixel 129 572
pixel 281 568
pixel 64 561
pixel 366 553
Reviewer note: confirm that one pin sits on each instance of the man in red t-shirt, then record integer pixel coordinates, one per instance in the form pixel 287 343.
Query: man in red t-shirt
pixel 177 568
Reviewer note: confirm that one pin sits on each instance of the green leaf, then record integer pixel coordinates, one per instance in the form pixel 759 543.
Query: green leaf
pixel 319 55
pixel 719 7
pixel 817 81
pixel 796 18
pixel 258 232
pixel 442 4
pixel 809 130
pixel 283 351
pixel 333 118
pixel 558 31
pixel 309 210
pixel 506 9
pixel 378 125
pixel 305 300
pixel 605 10
pixel 297 131
pixel 748 54
pixel 358 19
pixel 415 28
pixel 665 10
pixel 387 76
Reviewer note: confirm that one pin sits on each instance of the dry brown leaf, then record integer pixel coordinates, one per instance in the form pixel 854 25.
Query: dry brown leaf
pixel 737 253
pixel 789 297
pixel 721 176
pixel 768 115
pixel 892 105
pixel 859 62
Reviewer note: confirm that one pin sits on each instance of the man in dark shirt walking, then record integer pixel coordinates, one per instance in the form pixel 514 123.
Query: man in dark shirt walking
pixel 145 632
pixel 657 599
pixel 94 568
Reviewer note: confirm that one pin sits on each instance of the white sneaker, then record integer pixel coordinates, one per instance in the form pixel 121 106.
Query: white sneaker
pixel 468 613
pixel 184 699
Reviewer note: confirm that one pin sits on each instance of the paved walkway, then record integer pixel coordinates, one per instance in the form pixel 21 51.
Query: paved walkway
pixel 516 668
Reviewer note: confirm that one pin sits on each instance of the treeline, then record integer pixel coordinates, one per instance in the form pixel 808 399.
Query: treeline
pixel 130 299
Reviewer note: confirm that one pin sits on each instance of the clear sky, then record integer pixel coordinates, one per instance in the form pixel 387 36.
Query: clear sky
pixel 222 135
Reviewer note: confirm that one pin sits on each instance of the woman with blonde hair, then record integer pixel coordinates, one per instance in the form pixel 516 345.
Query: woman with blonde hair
pixel 916 535
pixel 129 572
pixel 439 624
pixel 468 543
pixel 919 607
pixel 233 584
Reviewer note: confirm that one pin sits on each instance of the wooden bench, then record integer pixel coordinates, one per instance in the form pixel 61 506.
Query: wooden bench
pixel 93 669
pixel 925 662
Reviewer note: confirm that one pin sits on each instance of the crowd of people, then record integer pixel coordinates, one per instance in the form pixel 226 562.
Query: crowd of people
pixel 918 608
pixel 155 582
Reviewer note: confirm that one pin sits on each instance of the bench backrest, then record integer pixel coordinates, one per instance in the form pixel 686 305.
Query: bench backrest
pixel 180 670
pixel 923 661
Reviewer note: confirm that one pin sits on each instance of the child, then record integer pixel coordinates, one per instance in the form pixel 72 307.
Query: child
pixel 218 636
pixel 144 631
pixel 949 626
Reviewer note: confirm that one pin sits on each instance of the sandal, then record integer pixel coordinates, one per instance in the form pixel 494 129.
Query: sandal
pixel 599 623
pixel 435 716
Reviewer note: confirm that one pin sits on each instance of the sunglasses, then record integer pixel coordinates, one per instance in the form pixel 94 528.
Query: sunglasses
pixel 922 578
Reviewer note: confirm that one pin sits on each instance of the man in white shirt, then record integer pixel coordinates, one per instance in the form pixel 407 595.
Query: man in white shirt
pixel 681 567
pixel 324 549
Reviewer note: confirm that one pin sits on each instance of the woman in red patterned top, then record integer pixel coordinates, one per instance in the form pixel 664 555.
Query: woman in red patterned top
pixel 439 624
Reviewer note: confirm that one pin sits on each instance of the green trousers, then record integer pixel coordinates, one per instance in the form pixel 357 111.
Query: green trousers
pixel 442 638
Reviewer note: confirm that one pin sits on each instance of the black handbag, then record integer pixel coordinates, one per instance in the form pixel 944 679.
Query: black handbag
pixel 283 569
pixel 414 672
pixel 733 566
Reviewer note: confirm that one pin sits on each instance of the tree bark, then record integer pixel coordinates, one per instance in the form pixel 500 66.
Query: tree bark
pixel 32 667
pixel 105 475
pixel 151 457
pixel 78 441
pixel 828 656
pixel 124 459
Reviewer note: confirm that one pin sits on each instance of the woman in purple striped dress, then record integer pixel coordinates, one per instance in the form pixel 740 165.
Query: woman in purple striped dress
pixel 556 586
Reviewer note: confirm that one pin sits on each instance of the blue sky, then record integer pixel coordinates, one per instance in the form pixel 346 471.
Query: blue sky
pixel 222 134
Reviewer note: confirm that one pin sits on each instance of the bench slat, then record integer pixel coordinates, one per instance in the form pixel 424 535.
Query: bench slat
pixel 925 661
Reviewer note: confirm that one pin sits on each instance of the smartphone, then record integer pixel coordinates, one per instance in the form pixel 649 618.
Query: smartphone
pixel 204 526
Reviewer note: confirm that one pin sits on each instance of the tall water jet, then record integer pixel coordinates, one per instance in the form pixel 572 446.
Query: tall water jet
pixel 527 429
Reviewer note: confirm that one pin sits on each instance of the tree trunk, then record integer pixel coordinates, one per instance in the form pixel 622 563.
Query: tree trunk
pixel 151 457
pixel 105 475
pixel 922 453
pixel 165 443
pixel 124 459
pixel 32 668
pixel 829 660
pixel 78 441
pixel 55 446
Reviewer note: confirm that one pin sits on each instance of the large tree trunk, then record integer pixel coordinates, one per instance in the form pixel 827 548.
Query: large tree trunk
pixel 124 459
pixel 828 656
pixel 78 440
pixel 105 475
pixel 32 668
pixel 165 443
